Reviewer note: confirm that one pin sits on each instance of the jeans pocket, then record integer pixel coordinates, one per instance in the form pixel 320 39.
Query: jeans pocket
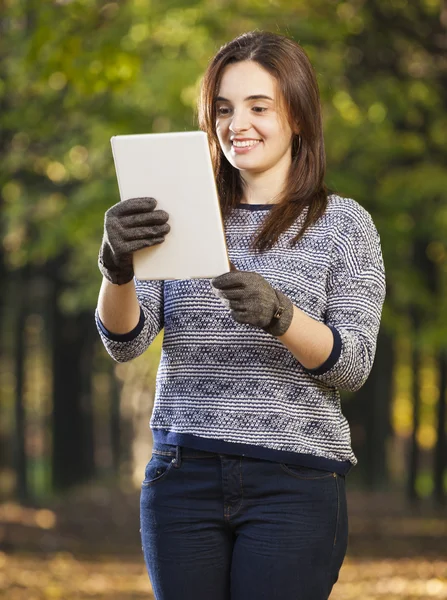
pixel 341 530
pixel 157 468
pixel 340 541
pixel 305 472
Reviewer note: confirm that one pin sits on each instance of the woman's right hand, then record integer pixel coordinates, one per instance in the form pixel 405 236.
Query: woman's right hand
pixel 129 226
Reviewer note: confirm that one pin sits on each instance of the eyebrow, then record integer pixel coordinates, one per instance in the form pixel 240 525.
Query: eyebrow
pixel 253 97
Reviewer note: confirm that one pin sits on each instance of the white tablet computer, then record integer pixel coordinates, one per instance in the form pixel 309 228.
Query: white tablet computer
pixel 176 170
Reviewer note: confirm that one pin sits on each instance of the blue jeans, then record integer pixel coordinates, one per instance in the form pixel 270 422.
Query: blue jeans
pixel 224 527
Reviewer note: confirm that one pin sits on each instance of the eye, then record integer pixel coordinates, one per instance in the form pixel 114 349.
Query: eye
pixel 223 111
pixel 259 109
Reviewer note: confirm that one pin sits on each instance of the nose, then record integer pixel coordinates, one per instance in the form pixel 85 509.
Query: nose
pixel 239 122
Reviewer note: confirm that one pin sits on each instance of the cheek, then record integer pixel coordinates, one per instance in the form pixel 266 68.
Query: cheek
pixel 277 135
pixel 268 129
pixel 221 133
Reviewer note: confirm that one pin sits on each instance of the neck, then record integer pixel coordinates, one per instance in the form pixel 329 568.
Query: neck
pixel 265 187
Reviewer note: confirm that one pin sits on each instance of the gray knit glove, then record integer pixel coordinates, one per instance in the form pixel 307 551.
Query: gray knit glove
pixel 129 226
pixel 252 300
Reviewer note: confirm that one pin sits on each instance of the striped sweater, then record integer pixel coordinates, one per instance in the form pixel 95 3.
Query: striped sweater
pixel 232 388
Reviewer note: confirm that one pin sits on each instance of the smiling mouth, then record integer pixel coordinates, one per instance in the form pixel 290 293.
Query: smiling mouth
pixel 245 144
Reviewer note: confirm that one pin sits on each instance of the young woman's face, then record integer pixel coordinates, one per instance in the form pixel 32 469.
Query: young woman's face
pixel 251 124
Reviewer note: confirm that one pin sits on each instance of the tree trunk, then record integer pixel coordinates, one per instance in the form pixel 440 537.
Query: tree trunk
pixel 115 421
pixel 73 445
pixel 416 396
pixel 441 445
pixel 378 425
pixel 20 458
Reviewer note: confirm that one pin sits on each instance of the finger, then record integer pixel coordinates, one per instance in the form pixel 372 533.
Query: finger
pixel 237 306
pixel 231 298
pixel 229 280
pixel 134 205
pixel 234 295
pixel 239 316
pixel 156 217
pixel 224 293
pixel 136 245
pixel 145 233
pixel 225 302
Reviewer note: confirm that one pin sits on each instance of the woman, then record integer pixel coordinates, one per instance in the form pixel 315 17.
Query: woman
pixel 244 496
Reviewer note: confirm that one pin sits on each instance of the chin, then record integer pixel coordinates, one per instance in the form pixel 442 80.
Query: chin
pixel 250 167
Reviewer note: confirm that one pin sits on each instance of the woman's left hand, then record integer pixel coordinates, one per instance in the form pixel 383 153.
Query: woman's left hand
pixel 252 300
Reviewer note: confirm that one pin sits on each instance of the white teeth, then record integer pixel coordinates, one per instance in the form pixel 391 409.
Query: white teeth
pixel 245 143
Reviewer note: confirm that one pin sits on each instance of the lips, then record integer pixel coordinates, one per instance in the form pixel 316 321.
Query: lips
pixel 244 143
pixel 245 148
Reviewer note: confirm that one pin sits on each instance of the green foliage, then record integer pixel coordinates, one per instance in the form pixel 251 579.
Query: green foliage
pixel 83 70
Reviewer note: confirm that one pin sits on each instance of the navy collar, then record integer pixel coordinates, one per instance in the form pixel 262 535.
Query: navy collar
pixel 254 206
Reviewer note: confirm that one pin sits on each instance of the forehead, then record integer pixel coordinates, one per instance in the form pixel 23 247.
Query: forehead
pixel 242 79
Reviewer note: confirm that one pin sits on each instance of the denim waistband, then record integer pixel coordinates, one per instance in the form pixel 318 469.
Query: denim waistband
pixel 172 450
pixel 179 452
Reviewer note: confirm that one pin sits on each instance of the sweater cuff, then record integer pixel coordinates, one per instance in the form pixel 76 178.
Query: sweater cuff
pixel 122 337
pixel 333 356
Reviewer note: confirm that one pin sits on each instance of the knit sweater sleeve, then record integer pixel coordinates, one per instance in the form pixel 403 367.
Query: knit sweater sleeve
pixel 355 296
pixel 125 347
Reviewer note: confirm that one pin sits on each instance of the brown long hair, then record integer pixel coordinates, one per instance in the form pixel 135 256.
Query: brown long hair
pixel 285 60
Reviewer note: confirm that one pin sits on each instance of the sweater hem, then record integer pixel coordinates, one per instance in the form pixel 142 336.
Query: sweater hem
pixel 163 436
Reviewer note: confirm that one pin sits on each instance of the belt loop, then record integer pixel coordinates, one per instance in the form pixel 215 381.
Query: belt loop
pixel 178 457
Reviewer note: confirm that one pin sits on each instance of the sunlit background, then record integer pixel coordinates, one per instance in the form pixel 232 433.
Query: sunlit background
pixel 75 72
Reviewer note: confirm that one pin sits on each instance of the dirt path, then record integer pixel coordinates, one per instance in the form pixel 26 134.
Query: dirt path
pixel 87 546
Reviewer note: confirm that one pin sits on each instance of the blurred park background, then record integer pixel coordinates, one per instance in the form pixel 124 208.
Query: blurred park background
pixel 74 434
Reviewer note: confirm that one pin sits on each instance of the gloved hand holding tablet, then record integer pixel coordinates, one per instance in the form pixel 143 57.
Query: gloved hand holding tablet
pixel 175 169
